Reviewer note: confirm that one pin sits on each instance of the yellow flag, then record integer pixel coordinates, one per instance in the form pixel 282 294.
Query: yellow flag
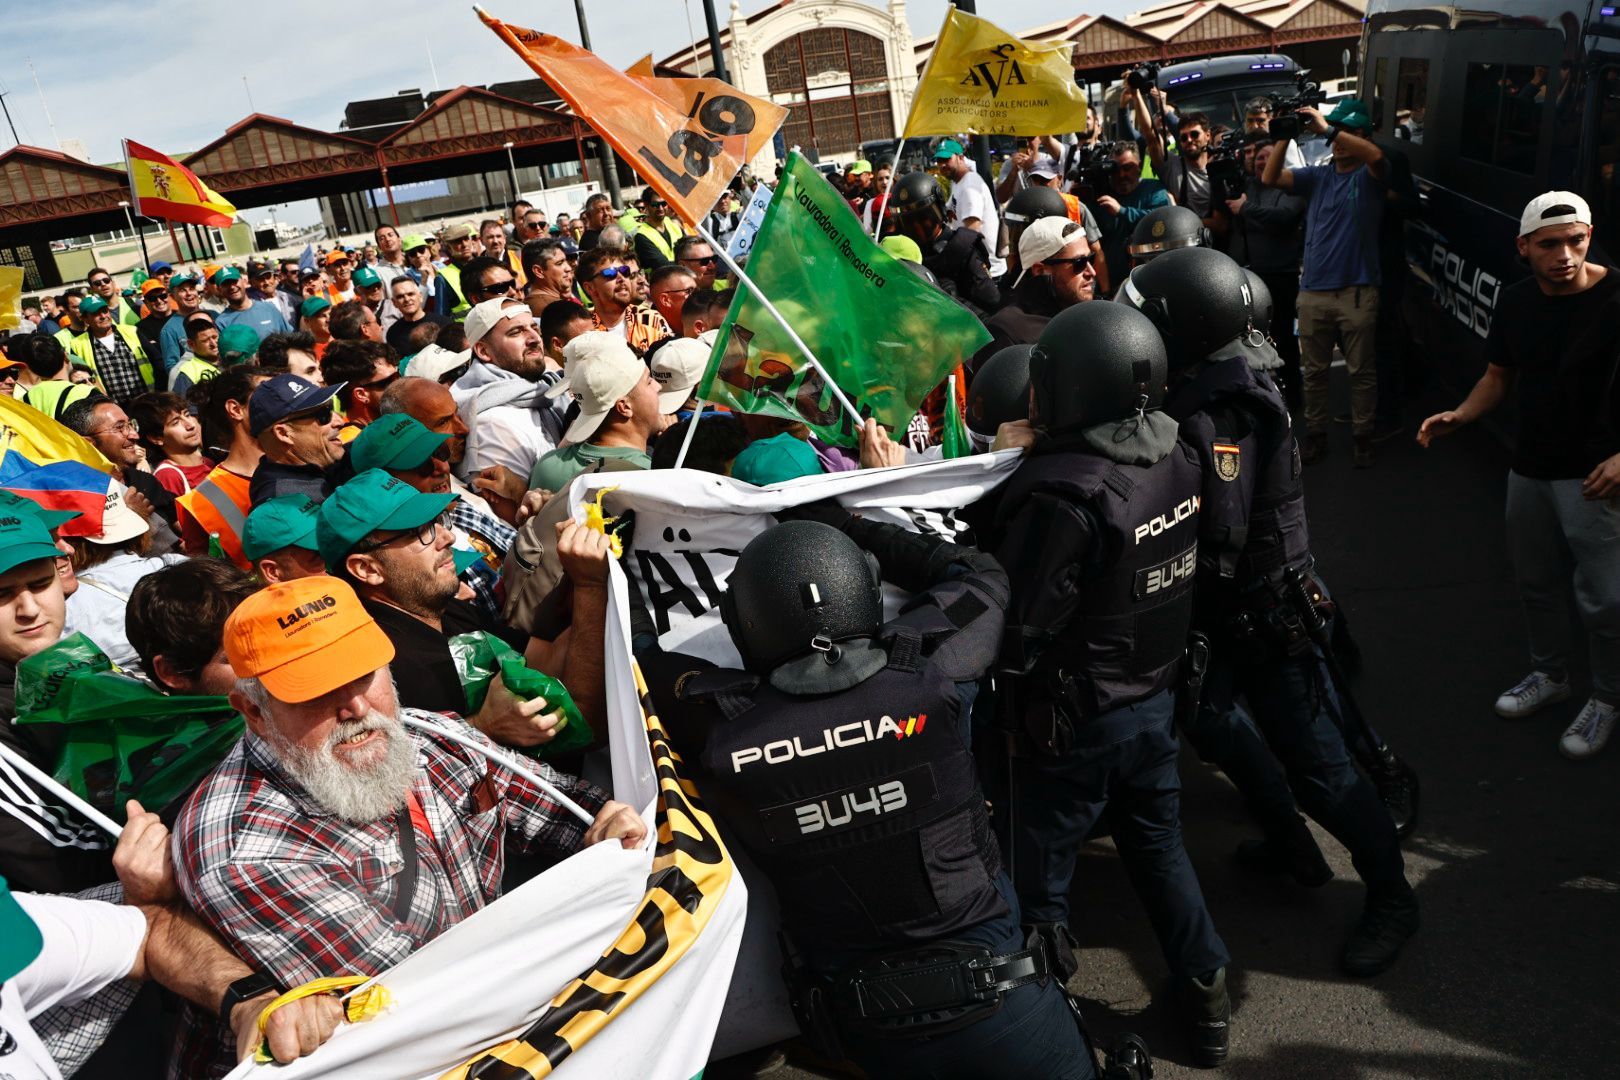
pixel 36 439
pixel 11 283
pixel 982 79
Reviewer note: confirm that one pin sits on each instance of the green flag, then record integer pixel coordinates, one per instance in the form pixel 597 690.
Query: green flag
pixel 954 440
pixel 885 335
pixel 120 738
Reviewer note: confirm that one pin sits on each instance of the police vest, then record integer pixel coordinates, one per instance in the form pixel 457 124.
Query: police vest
pixel 220 505
pixel 661 238
pixel 1128 635
pixel 1253 522
pixel 450 273
pixel 81 348
pixel 862 807
pixel 951 260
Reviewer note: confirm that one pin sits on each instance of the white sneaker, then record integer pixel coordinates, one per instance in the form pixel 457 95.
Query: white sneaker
pixel 1533 693
pixel 1590 731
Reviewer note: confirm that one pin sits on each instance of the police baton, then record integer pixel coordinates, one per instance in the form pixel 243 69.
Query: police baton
pixel 1397 784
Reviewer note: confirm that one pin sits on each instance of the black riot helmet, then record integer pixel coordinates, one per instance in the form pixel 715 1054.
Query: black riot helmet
pixel 918 193
pixel 1264 308
pixel 798 586
pixel 1169 228
pixel 1094 363
pixel 999 392
pixel 923 272
pixel 1198 298
pixel 1034 203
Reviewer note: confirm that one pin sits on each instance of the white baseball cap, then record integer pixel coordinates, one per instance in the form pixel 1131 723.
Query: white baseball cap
pixel 434 362
pixel 678 368
pixel 599 368
pixel 1043 238
pixel 1554 208
pixel 483 316
pixel 118 522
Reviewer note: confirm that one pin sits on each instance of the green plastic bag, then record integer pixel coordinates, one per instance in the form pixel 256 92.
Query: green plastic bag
pixel 480 655
pixel 121 738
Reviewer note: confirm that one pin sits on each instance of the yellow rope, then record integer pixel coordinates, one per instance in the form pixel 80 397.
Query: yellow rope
pixel 357 1007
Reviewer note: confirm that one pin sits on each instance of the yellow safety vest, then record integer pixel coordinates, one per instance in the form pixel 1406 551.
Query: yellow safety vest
pixel 663 240
pixel 452 273
pixel 80 347
pixel 54 395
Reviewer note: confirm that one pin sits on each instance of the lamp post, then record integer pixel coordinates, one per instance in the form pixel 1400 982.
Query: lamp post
pixel 137 230
pixel 981 145
pixel 604 152
pixel 717 59
pixel 511 174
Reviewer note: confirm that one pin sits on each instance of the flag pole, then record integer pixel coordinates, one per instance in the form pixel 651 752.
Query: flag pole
pixel 50 784
pixel 849 407
pixel 500 759
pixel 691 430
pixel 894 175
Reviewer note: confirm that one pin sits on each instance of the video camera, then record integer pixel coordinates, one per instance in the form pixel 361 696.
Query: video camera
pixel 1143 76
pixel 1285 111
pixel 1093 171
pixel 1225 168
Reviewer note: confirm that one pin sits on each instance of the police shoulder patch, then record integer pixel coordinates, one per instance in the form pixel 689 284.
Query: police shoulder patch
pixel 1228 459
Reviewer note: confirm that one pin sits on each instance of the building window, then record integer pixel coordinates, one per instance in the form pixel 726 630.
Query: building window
pixel 1411 99
pixel 835 85
pixel 1501 114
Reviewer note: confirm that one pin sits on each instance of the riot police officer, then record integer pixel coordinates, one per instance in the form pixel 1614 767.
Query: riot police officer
pixel 1253 544
pixel 957 255
pixel 1168 228
pixel 1098 530
pixel 841 757
pixel 998 394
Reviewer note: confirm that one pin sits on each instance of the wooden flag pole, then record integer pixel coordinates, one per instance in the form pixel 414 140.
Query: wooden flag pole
pixel 49 783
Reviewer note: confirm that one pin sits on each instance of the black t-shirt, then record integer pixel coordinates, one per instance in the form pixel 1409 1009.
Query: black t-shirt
pixel 1565 351
pixel 424 670
pixel 401 330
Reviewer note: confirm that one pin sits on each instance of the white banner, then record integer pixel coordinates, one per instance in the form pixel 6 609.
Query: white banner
pixel 742 241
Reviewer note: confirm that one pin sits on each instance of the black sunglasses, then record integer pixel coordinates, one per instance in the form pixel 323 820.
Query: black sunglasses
pixel 426 468
pixel 707 260
pixel 101 281
pixel 509 285
pixel 157 294
pixel 321 416
pixel 1079 262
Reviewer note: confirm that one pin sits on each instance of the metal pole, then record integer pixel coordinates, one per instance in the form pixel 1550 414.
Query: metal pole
pixel 717 58
pixel 981 145
pixel 604 152
pixel 9 123
pixel 511 173
pixel 137 230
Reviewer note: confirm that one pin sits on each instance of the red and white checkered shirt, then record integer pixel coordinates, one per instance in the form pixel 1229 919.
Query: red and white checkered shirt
pixel 301 894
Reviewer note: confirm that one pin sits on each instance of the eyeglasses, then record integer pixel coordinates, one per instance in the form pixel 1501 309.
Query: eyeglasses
pixel 657 204
pixel 426 468
pixel 611 272
pixel 507 286
pixel 157 294
pixel 1079 262
pixel 127 428
pixel 425 534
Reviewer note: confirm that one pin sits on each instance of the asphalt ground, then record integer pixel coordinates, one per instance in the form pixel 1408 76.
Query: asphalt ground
pixel 1514 858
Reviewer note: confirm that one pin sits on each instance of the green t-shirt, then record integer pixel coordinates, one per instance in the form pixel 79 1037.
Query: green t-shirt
pixel 556 469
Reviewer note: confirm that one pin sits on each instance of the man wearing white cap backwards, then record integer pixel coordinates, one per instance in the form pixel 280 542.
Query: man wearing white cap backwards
pixel 1554 335
pixel 618 409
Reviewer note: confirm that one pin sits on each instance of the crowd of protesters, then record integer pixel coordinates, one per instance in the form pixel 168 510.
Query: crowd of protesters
pixel 322 469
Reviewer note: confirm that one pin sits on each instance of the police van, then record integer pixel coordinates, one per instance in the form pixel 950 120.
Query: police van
pixel 1493 104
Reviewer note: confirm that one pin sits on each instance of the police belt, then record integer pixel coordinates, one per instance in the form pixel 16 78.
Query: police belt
pixel 930 989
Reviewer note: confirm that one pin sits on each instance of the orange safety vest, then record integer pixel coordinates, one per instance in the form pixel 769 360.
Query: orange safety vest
pixel 219 505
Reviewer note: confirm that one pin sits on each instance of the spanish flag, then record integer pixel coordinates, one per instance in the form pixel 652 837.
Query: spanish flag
pixel 981 79
pixel 164 188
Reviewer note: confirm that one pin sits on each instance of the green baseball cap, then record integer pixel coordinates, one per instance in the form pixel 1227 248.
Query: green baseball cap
pixel 412 242
pixel 373 501
pixel 23 538
pixel 181 280
pixel 228 273
pixel 902 247
pixel 10 502
pixel 20 939
pixel 313 305
pixel 396 441
pixel 770 461
pixel 238 343
pixel 92 304
pixel 285 521
pixel 859 167
pixel 947 148
pixel 1348 113
pixel 366 277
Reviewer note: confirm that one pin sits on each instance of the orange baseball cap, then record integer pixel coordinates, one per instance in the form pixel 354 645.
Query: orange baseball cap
pixel 151 285
pixel 304 638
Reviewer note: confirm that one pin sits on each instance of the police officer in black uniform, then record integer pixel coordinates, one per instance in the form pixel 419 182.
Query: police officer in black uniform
pixel 956 254
pixel 1253 538
pixel 998 394
pixel 1168 228
pixel 840 755
pixel 1098 529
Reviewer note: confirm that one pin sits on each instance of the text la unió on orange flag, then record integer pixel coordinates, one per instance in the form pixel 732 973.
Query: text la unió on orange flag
pixel 685 137
pixel 164 188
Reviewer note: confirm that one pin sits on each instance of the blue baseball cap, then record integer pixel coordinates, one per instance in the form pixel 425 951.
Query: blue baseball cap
pixel 284 396
pixel 159 267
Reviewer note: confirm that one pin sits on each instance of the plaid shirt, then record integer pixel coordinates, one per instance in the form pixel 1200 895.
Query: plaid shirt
pixel 117 369
pixel 302 894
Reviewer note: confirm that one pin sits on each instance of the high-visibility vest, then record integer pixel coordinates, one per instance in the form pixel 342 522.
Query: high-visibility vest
pixel 662 239
pixel 451 273
pixel 55 395
pixel 80 347
pixel 128 314
pixel 195 369
pixel 220 506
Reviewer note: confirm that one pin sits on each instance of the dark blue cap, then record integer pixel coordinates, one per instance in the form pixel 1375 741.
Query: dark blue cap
pixel 159 267
pixel 284 396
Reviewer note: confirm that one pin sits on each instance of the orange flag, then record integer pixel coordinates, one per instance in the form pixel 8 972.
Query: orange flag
pixel 164 188
pixel 686 137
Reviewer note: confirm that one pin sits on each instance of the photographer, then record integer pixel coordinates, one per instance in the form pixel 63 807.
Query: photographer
pixel 1338 287
pixel 1185 175
pixel 1037 150
pixel 1268 238
pixel 1131 199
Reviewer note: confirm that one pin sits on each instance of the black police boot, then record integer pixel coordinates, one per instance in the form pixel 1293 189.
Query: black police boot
pixel 1207 1012
pixel 1058 944
pixel 1379 935
pixel 1296 854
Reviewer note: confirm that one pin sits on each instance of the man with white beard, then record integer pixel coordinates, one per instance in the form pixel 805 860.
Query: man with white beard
pixel 332 840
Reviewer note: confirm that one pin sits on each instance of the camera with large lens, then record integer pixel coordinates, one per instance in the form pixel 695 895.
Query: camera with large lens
pixel 1285 123
pixel 1142 76
pixel 1093 171
pixel 1225 168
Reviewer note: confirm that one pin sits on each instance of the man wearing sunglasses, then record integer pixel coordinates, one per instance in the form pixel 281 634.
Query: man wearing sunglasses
pixel 297 429
pixel 656 236
pixel 101 284
pixel 502 394
pixel 695 253
pixel 610 283
pixel 1058 273
pixel 364 369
